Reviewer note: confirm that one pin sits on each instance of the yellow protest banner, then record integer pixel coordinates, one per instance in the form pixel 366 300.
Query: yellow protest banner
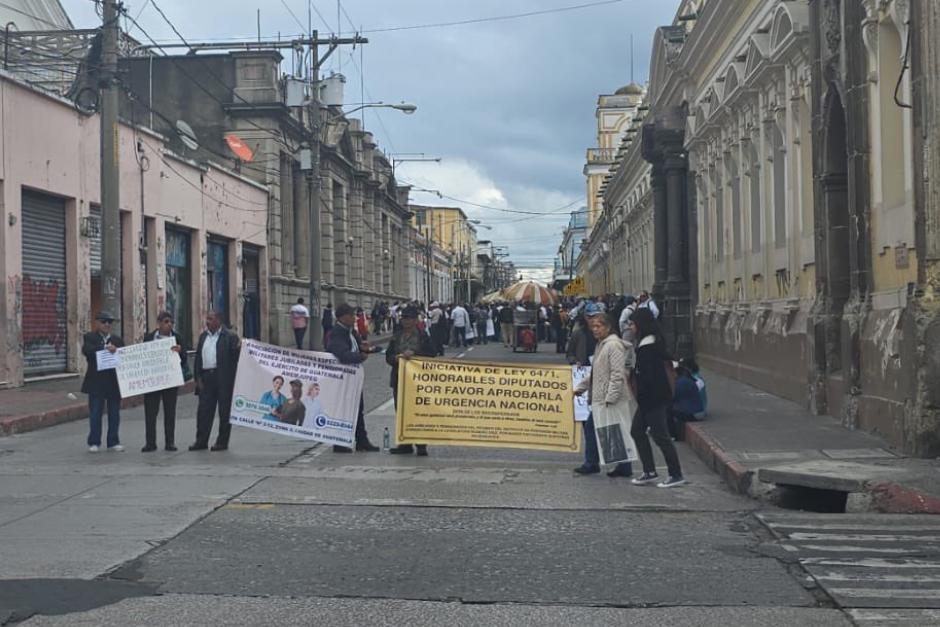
pixel 462 403
pixel 576 287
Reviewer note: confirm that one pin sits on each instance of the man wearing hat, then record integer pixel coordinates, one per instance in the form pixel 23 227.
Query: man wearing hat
pixel 101 386
pixel 407 342
pixel 349 348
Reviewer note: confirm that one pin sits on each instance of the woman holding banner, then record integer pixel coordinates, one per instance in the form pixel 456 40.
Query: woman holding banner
pixel 408 342
pixel 607 391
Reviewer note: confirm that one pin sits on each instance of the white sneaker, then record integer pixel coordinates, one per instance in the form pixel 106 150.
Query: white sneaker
pixel 117 448
pixel 93 449
pixel 671 482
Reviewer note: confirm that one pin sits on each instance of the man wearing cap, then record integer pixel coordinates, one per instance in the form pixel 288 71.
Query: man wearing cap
pixel 348 348
pixel 167 396
pixel 216 363
pixel 408 342
pixel 101 386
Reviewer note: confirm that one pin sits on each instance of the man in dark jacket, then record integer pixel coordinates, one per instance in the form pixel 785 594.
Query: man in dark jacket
pixel 152 400
pixel 349 348
pixel 216 363
pixel 409 342
pixel 101 386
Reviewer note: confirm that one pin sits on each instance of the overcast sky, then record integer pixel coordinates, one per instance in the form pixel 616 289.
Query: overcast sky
pixel 508 105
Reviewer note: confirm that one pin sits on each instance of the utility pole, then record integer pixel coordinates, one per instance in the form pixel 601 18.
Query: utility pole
pixel 110 162
pixel 429 259
pixel 313 176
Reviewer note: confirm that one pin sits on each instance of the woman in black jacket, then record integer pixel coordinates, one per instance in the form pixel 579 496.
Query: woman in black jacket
pixel 653 389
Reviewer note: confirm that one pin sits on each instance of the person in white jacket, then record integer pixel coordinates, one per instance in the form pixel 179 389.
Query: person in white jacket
pixel 607 386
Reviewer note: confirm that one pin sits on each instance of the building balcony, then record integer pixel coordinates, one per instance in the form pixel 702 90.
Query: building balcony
pixel 601 156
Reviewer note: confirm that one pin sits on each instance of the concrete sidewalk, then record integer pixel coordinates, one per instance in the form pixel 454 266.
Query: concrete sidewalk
pixel 756 440
pixel 50 402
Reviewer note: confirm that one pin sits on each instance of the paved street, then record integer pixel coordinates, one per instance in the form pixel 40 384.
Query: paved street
pixel 277 531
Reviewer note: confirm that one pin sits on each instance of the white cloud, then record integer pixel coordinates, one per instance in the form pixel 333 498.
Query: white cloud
pixel 532 240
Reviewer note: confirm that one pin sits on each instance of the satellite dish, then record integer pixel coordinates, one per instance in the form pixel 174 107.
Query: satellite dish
pixel 239 148
pixel 187 135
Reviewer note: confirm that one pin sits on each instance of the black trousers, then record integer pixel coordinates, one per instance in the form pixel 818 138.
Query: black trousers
pixel 152 408
pixel 361 436
pixel 655 420
pixel 299 336
pixel 213 394
pixel 561 338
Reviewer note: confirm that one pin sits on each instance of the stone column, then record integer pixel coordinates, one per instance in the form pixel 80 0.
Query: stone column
pixel 356 228
pixel 327 272
pixel 675 168
pixel 286 222
pixel 660 224
pixel 301 223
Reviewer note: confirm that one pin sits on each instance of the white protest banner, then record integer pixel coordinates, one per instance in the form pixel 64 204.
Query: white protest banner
pixel 581 408
pixel 148 367
pixel 305 394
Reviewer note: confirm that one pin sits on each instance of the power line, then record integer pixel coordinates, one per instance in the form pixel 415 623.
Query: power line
pixel 303 28
pixel 496 18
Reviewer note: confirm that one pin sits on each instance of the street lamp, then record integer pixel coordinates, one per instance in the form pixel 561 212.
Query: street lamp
pixel 405 107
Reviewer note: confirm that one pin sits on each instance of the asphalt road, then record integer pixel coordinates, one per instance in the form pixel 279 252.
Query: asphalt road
pixel 279 532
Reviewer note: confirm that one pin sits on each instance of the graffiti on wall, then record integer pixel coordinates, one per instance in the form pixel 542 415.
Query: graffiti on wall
pixel 15 322
pixel 45 324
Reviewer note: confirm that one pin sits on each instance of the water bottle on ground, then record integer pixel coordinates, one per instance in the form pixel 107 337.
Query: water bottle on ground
pixel 386 438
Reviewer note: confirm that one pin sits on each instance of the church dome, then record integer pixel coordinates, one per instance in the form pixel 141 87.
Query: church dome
pixel 630 90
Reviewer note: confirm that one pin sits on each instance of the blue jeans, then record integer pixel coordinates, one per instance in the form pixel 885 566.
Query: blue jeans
pixel 592 457
pixel 96 409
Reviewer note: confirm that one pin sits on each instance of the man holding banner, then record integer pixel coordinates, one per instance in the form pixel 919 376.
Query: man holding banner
pixel 350 349
pixel 407 343
pixel 168 395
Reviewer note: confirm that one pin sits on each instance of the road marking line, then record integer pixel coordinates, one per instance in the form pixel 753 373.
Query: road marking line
pixel 250 506
pixel 847 527
pixel 870 563
pixel 845 548
pixel 461 355
pixel 863 538
pixel 885 593
pixel 872 577
pixel 915 616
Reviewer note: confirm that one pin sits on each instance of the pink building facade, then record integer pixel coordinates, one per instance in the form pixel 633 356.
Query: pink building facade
pixel 192 237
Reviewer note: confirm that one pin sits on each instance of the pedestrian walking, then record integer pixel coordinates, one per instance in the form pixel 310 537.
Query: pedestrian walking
pixel 299 317
pixel 438 327
pixel 167 397
pixel 625 315
pixel 362 324
pixel 461 321
pixel 505 323
pixel 407 343
pixel 650 380
pixel 101 386
pixel 483 319
pixel 350 349
pixel 215 367
pixel 646 302
pixel 582 343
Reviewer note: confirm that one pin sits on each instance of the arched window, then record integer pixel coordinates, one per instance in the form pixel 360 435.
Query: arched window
pixel 755 198
pixel 779 156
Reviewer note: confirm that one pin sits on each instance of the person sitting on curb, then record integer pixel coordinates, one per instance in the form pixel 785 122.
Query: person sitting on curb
pixel 407 343
pixel 689 400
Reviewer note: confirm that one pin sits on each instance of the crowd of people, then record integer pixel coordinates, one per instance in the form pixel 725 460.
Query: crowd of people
pixel 619 336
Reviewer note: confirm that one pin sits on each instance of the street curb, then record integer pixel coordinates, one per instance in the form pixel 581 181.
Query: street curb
pixel 891 498
pixel 25 423
pixel 709 451
pixel 885 497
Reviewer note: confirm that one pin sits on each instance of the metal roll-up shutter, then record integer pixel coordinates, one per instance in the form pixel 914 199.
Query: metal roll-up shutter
pixel 95 242
pixel 44 287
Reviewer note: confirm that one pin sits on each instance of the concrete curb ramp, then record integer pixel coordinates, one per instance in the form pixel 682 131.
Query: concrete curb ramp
pixel 880 488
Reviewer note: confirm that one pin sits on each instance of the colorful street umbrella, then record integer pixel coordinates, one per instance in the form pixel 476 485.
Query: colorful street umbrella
pixel 492 297
pixel 531 292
